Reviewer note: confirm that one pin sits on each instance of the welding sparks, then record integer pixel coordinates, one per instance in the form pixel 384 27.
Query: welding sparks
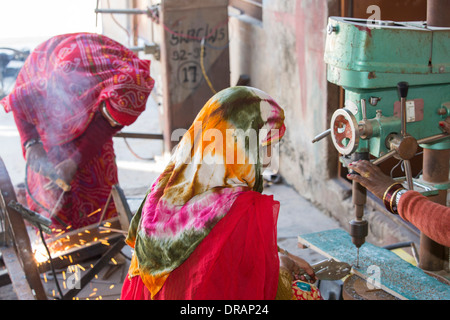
pixel 40 253
pixel 94 212
pixel 81 267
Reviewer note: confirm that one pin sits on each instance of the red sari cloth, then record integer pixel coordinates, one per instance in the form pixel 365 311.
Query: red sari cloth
pixel 237 260
pixel 57 97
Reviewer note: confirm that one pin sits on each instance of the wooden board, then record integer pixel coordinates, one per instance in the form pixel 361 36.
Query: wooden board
pixel 379 267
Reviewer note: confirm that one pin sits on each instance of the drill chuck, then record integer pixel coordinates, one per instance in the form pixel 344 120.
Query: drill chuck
pixel 359 229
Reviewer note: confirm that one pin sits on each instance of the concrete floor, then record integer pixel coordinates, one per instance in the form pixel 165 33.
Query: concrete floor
pixel 297 216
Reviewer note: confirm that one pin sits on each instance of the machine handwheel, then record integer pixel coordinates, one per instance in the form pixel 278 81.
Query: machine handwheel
pixel 344 131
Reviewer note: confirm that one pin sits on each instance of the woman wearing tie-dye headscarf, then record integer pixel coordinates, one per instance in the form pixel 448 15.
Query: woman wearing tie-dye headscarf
pixel 204 230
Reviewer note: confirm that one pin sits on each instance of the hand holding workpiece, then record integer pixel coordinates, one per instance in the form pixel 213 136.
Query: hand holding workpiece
pixel 297 266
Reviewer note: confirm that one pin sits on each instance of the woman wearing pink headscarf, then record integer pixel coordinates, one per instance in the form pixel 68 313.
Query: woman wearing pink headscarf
pixel 74 92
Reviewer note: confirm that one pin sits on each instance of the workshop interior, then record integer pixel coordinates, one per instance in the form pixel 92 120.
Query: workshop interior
pixel 358 80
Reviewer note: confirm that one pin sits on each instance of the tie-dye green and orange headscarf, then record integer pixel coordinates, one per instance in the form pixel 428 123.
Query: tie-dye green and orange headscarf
pixel 218 158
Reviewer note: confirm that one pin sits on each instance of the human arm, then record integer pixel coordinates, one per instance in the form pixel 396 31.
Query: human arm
pixel 431 218
pixel 371 176
pixel 292 268
pixel 296 266
pixel 33 150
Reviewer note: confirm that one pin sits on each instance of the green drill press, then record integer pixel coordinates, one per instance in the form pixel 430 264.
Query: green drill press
pixel 396 78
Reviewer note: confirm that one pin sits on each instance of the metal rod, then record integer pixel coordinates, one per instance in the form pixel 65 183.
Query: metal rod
pixel 359 227
pixel 408 173
pixel 364 109
pixel 403 113
pixel 415 253
pixel 123 11
pixel 155 136
pixel 104 209
pixel 28 214
pixel 384 157
pixel 433 138
pixel 113 230
pixel 321 136
pixel 56 207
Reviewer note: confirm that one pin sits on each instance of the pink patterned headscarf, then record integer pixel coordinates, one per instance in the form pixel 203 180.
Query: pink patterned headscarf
pixel 66 78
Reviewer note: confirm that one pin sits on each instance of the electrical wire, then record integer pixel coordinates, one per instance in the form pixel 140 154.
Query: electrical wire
pixel 156 19
pixel 134 153
pixel 403 168
pixel 394 167
pixel 51 262
pixel 202 64
pixel 119 25
pixel 202 40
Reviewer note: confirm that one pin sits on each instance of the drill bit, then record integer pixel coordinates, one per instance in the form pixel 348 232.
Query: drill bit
pixel 357 258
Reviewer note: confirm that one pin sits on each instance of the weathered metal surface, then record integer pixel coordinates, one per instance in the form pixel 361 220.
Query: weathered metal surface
pixel 360 55
pixel 369 61
pixel 21 238
pixel 17 275
pixel 381 268
pixel 437 13
pixel 123 210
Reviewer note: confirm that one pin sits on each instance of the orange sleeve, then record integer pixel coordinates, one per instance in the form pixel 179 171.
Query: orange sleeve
pixel 431 218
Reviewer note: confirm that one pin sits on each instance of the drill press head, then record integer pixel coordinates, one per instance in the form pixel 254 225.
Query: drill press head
pixel 378 66
pixel 396 77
